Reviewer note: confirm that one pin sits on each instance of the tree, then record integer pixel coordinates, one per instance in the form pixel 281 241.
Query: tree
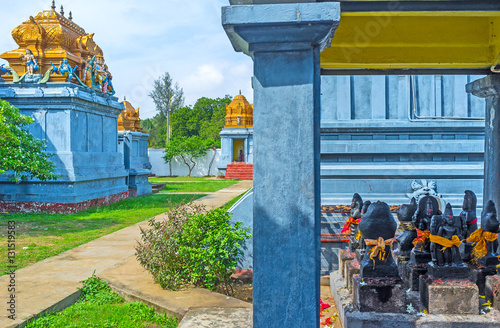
pixel 20 151
pixel 188 149
pixel 205 118
pixel 168 97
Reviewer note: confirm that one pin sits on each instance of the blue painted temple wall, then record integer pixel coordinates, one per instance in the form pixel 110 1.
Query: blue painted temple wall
pixel 80 127
pixel 134 147
pixel 379 133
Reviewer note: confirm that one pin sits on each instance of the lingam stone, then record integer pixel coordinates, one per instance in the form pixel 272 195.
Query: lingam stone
pixel 378 287
pixel 377 229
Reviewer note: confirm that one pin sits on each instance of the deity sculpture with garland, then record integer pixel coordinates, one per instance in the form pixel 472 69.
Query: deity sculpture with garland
pixel 60 50
pixel 468 215
pixel 485 239
pixel 428 206
pixel 446 237
pixel 350 228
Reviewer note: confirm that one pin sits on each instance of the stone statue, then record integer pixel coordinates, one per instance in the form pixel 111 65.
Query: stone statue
pixel 485 239
pixel 377 229
pixel 446 231
pixel 31 64
pixel 351 226
pixel 405 240
pixel 427 207
pixel 468 215
pixel 361 241
pixel 423 188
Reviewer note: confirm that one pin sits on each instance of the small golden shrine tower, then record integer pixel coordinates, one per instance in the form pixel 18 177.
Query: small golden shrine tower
pixel 129 118
pixel 239 113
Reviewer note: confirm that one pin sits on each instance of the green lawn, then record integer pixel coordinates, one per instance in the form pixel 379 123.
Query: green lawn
pixel 99 307
pixel 40 236
pixel 203 186
pixel 176 179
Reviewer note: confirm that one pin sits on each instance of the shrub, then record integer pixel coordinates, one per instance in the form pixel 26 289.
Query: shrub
pixel 191 246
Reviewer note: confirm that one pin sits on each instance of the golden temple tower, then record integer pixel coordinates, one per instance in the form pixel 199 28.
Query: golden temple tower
pixel 51 37
pixel 239 113
pixel 129 118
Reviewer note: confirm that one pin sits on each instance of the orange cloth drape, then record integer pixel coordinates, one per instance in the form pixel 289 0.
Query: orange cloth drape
pixel 422 235
pixel 479 239
pixel 446 243
pixel 378 247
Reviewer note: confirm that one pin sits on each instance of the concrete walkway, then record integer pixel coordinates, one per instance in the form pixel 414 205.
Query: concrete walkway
pixel 51 284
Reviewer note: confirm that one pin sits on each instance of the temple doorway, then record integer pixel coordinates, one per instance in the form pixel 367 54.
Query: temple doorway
pixel 238 150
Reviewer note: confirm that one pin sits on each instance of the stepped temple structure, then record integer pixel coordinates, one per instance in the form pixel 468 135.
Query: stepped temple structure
pixel 236 160
pixel 59 77
pixel 133 144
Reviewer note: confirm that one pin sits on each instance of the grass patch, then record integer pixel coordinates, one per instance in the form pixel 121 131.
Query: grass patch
pixel 176 179
pixel 204 186
pixel 98 306
pixel 40 236
pixel 233 201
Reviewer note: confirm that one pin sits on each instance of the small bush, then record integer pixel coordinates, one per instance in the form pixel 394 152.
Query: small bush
pixel 192 247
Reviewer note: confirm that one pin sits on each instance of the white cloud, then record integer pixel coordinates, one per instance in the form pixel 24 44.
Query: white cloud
pixel 143 39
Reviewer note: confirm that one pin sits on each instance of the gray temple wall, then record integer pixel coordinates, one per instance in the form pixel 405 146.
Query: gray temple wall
pixel 379 133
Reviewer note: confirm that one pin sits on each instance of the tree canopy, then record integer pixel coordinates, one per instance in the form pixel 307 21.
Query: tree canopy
pixel 20 151
pixel 205 119
pixel 166 95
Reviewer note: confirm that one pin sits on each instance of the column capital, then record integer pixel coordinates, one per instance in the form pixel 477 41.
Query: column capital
pixel 488 86
pixel 281 27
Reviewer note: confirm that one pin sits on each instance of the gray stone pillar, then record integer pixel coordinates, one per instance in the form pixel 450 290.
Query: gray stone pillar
pixel 489 88
pixel 285 41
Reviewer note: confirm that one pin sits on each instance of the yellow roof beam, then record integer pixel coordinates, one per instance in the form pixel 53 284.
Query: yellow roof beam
pixel 423 40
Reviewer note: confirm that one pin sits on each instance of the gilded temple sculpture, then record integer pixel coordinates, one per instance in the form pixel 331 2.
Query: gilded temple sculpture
pixel 48 38
pixel 31 63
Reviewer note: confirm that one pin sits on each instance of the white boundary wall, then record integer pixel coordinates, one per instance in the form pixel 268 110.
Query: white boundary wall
pixel 160 168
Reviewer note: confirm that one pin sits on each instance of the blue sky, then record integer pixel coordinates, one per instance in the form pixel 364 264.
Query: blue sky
pixel 143 39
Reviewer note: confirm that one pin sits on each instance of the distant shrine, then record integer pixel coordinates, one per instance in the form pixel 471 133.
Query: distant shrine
pixel 133 144
pixel 59 77
pixel 236 161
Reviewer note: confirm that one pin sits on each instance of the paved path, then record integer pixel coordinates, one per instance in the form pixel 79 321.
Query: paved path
pixel 52 284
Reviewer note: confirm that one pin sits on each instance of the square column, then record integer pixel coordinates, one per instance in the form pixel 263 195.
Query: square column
pixel 489 88
pixel 285 41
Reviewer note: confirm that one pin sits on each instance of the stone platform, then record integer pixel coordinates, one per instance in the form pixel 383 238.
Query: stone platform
pixel 351 318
